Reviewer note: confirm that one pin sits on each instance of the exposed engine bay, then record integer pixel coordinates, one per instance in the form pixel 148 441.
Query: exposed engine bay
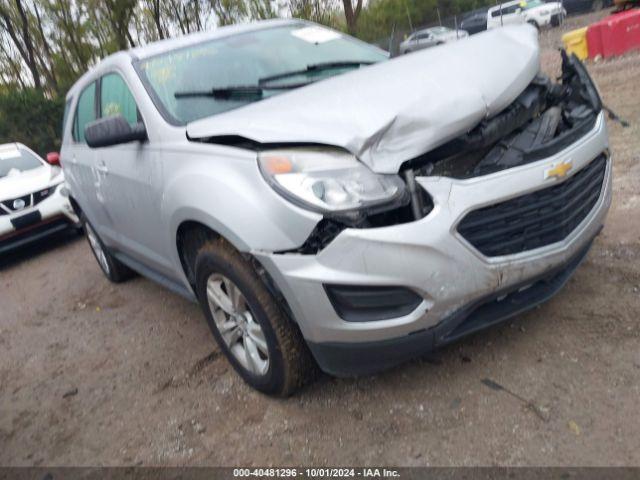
pixel 544 119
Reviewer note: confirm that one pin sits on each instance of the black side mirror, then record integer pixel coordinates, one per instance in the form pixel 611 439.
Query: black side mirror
pixel 113 131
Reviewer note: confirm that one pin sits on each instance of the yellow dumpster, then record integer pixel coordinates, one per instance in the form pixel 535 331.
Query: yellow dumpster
pixel 575 41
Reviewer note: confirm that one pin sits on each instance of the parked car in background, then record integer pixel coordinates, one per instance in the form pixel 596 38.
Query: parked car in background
pixel 622 5
pixel 430 37
pixel 582 6
pixel 474 23
pixel 32 200
pixel 326 204
pixel 534 12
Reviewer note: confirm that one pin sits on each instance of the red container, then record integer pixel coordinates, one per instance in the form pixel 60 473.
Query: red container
pixel 615 34
pixel 594 40
pixel 629 34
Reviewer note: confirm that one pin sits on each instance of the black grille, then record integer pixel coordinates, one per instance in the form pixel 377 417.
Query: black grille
pixel 537 219
pixel 42 194
pixel 37 198
pixel 8 204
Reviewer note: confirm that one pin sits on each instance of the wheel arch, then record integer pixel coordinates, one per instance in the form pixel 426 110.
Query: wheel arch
pixel 191 234
pixel 75 205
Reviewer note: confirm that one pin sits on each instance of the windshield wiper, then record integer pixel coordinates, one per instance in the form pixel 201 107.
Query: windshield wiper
pixel 316 67
pixel 225 93
pixel 235 92
pixel 254 92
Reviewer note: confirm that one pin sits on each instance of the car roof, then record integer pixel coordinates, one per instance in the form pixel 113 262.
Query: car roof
pixel 11 146
pixel 167 45
pixel 503 5
pixel 430 29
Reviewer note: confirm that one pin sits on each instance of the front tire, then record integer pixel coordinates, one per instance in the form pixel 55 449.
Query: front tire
pixel 262 344
pixel 112 268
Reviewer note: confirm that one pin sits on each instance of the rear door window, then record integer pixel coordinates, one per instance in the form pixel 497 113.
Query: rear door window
pixel 117 99
pixel 85 112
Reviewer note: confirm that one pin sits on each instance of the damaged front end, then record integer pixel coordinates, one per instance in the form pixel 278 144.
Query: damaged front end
pixel 544 119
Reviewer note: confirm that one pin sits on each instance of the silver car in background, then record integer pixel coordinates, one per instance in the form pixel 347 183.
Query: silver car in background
pixel 328 206
pixel 430 37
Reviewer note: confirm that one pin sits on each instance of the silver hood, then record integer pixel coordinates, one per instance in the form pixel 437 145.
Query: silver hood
pixel 396 110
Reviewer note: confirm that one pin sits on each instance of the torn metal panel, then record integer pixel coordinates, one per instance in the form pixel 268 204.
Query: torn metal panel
pixel 544 119
pixel 390 112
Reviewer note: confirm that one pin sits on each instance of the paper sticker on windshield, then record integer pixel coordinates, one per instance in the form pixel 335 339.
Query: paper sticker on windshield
pixel 315 34
pixel 5 154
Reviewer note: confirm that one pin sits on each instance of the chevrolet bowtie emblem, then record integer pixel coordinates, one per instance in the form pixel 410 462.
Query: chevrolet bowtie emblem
pixel 558 170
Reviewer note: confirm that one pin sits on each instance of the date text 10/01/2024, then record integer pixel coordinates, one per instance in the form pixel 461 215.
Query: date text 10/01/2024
pixel 316 472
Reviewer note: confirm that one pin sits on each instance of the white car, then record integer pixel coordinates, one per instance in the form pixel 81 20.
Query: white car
pixel 430 37
pixel 535 12
pixel 32 197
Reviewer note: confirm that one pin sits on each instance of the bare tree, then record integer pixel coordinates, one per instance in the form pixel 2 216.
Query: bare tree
pixel 352 14
pixel 17 26
pixel 155 12
pixel 48 68
pixel 320 11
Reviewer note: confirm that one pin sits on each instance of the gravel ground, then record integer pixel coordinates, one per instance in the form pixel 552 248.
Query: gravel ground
pixel 97 374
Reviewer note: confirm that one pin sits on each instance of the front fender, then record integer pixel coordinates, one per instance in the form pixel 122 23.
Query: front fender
pixel 229 195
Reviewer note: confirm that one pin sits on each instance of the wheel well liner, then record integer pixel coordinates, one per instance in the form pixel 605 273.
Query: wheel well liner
pixel 189 237
pixel 192 234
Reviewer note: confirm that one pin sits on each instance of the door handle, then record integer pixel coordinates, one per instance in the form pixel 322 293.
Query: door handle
pixel 102 167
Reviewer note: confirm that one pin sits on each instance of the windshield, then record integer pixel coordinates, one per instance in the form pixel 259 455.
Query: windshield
pixel 243 60
pixel 14 160
pixel 531 4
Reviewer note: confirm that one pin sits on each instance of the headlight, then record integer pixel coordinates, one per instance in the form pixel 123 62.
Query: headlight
pixel 328 181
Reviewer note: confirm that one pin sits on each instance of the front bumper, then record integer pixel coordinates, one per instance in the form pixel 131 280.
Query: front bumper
pixel 429 257
pixel 56 214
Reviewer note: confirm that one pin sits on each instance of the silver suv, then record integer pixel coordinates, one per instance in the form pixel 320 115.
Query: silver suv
pixel 328 206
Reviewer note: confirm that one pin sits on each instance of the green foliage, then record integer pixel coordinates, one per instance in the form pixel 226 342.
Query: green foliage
pixel 28 117
pixel 325 12
pixel 383 17
pixel 48 44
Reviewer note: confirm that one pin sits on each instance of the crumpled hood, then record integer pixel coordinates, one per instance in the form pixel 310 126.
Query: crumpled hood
pixel 393 111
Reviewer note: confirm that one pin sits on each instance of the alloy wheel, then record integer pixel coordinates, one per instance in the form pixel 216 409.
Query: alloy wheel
pixel 242 334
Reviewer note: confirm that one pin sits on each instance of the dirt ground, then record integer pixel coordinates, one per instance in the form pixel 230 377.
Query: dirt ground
pixel 97 374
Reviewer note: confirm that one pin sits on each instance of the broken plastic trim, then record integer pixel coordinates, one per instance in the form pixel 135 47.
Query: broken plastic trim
pixel 544 119
pixel 329 228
